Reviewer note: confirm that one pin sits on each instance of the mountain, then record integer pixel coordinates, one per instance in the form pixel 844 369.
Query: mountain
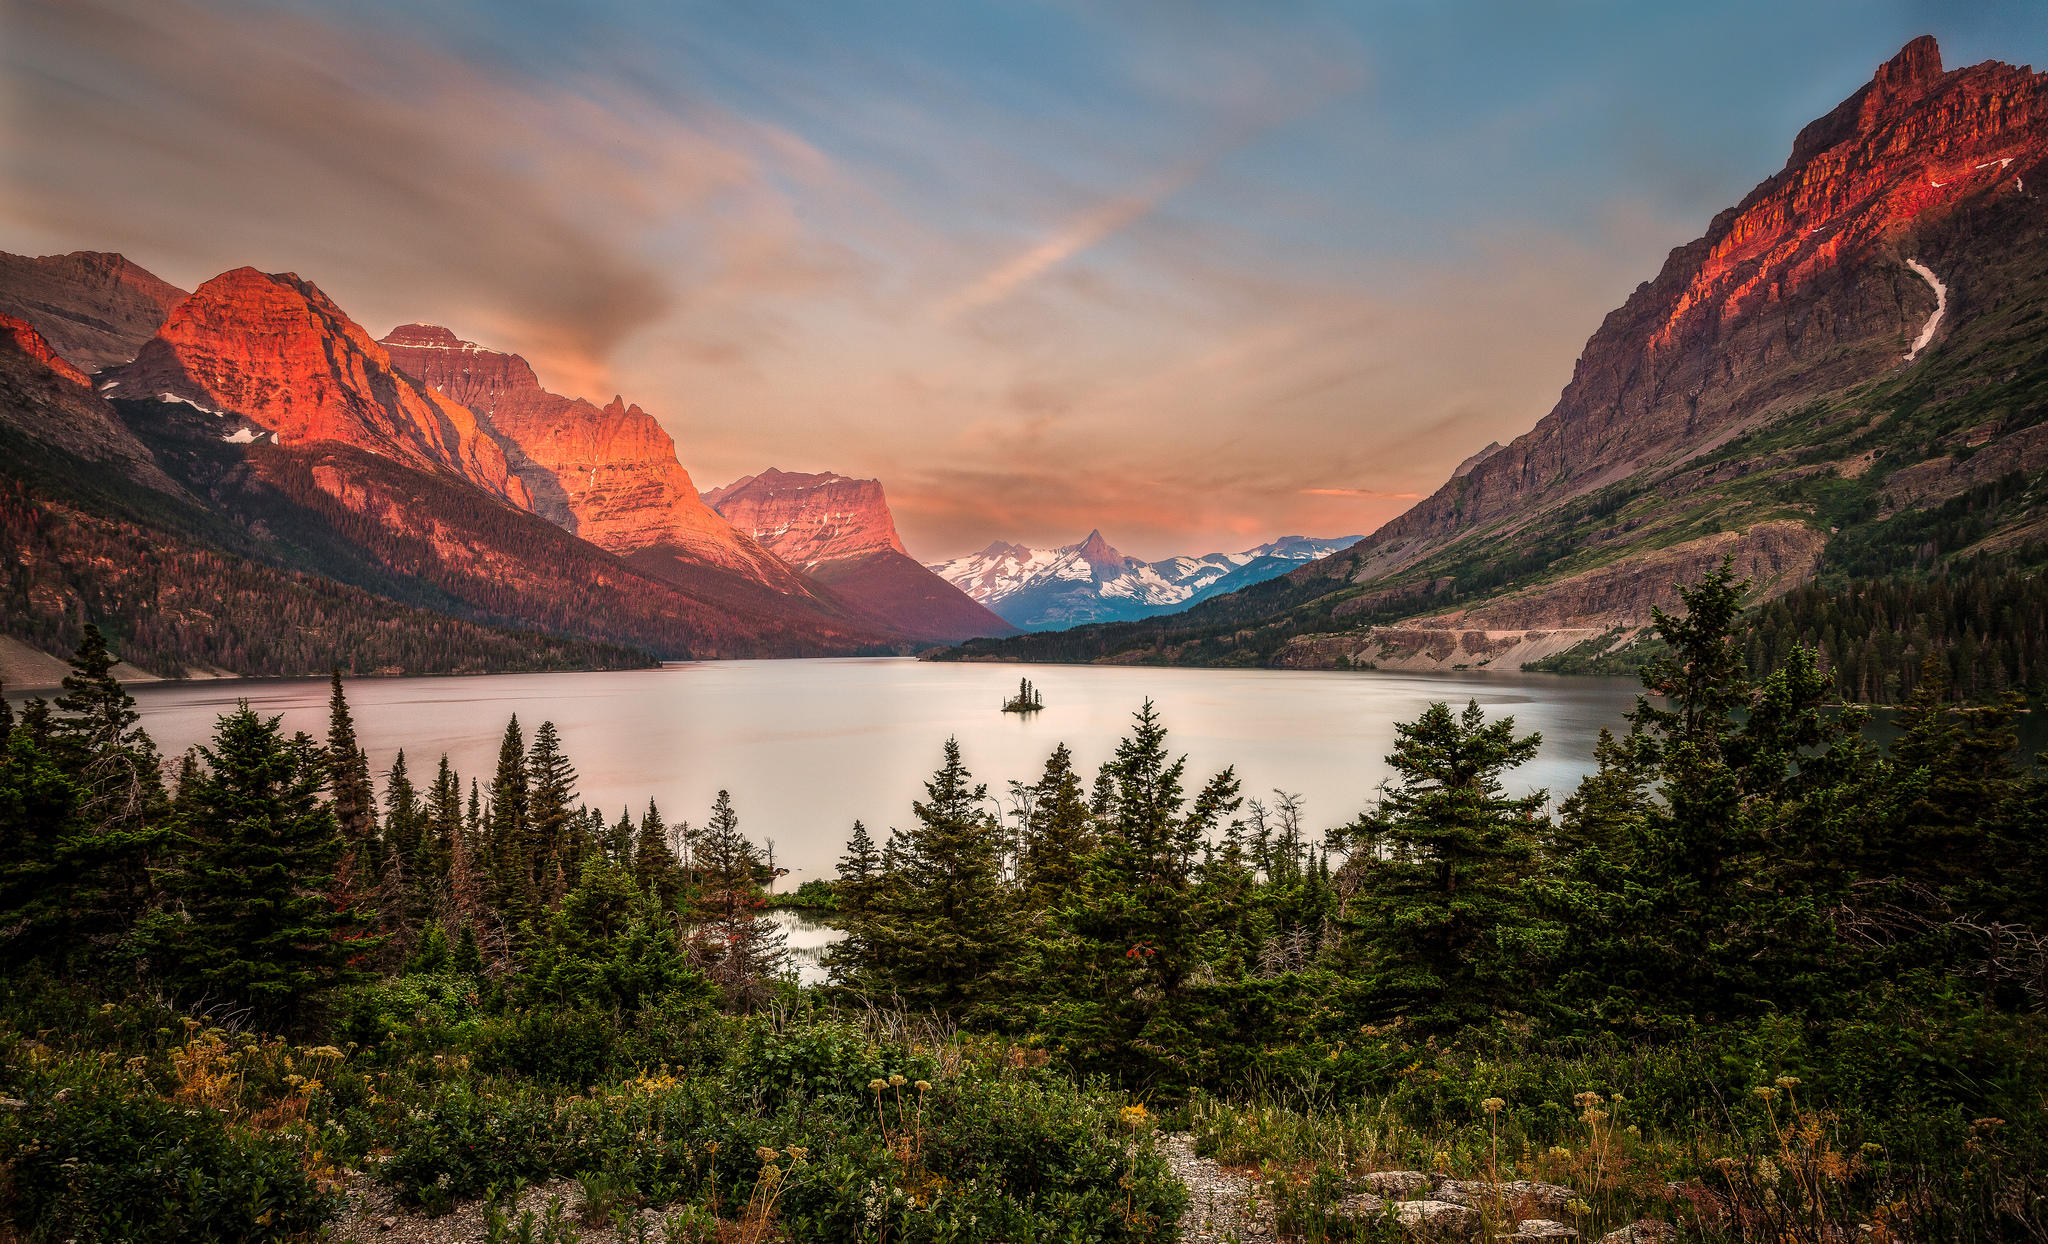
pixel 840 532
pixel 274 437
pixel 607 473
pixel 1848 353
pixel 1049 589
pixel 94 308
pixel 275 350
pixel 95 529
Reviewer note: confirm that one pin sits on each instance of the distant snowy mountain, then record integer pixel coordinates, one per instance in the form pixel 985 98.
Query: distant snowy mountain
pixel 1049 589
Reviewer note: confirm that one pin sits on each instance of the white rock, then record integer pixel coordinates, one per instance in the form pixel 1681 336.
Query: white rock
pixel 1437 1220
pixel 1393 1185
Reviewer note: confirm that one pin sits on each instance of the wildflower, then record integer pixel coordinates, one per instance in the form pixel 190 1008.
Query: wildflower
pixel 897 1081
pixel 876 1086
pixel 1766 1093
pixel 766 1154
pixel 923 1086
pixel 798 1154
pixel 1492 1105
pixel 1788 1083
pixel 1767 1172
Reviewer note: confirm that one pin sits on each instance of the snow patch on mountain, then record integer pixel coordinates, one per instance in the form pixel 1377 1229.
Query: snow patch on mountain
pixel 1048 589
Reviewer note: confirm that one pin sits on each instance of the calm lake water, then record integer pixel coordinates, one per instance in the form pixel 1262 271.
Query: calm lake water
pixel 806 747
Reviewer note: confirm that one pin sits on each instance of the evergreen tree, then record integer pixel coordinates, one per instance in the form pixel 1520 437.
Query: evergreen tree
pixel 937 929
pixel 1059 832
pixel 1444 927
pixel 555 843
pixel 260 851
pixel 509 863
pixel 1130 942
pixel 742 949
pixel 447 851
pixel 95 737
pixel 354 799
pixel 654 861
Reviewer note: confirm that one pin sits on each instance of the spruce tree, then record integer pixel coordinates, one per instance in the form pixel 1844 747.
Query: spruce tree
pixel 553 828
pixel 1059 833
pixel 654 861
pixel 1445 927
pixel 260 850
pixel 97 739
pixel 354 799
pixel 508 861
pixel 742 949
pixel 938 928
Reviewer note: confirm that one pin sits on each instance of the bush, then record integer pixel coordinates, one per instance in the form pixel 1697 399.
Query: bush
pixel 100 1160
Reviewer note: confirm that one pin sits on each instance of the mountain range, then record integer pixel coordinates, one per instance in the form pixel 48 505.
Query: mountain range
pixel 1844 378
pixel 186 469
pixel 1049 589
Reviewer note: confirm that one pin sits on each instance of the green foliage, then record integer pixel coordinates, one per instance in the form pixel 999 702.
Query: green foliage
pixel 96 1157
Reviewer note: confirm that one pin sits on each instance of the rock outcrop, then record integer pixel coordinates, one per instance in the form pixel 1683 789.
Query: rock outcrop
pixel 839 531
pixel 275 350
pixel 607 473
pixel 23 337
pixel 94 308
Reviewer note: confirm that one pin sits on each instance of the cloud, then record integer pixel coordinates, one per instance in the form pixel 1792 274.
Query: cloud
pixel 1362 492
pixel 410 182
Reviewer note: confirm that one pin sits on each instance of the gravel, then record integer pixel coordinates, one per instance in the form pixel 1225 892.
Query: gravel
pixel 1224 1206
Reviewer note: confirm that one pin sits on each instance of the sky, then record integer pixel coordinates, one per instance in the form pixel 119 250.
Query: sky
pixel 1195 274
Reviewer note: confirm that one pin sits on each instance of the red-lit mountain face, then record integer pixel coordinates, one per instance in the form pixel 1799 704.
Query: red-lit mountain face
pixel 1858 341
pixel 607 473
pixel 278 429
pixel 840 532
pixel 275 350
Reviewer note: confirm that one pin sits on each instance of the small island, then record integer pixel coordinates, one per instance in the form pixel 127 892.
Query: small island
pixel 1027 699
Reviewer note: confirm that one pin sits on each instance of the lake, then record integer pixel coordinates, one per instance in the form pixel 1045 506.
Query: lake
pixel 806 747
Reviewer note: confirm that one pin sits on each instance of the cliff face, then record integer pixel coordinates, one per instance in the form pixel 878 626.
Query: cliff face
pixel 607 473
pixel 809 519
pixel 1799 290
pixel 275 350
pixel 841 533
pixel 94 308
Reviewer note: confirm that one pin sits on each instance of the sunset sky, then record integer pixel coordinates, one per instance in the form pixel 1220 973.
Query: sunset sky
pixel 1196 274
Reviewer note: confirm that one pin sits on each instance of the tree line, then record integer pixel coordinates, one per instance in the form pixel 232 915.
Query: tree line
pixel 266 870
pixel 1741 851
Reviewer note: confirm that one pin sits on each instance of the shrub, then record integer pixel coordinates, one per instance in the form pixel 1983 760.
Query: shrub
pixel 100 1161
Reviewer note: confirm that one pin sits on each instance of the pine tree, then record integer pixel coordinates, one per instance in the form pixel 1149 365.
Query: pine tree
pixel 448 851
pixel 1059 833
pixel 95 737
pixel 507 846
pixel 937 928
pixel 354 801
pixel 742 950
pixel 1443 922
pixel 555 844
pixel 254 879
pixel 407 890
pixel 654 862
pixel 1129 943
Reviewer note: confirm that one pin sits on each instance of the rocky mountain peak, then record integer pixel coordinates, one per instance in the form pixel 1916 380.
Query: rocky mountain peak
pixel 275 349
pixel 807 519
pixel 30 342
pixel 608 473
pixel 1097 551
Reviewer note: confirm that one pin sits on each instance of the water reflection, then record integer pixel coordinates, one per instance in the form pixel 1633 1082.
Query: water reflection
pixel 806 747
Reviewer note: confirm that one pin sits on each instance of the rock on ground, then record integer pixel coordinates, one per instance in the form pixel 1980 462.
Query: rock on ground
pixel 1223 1205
